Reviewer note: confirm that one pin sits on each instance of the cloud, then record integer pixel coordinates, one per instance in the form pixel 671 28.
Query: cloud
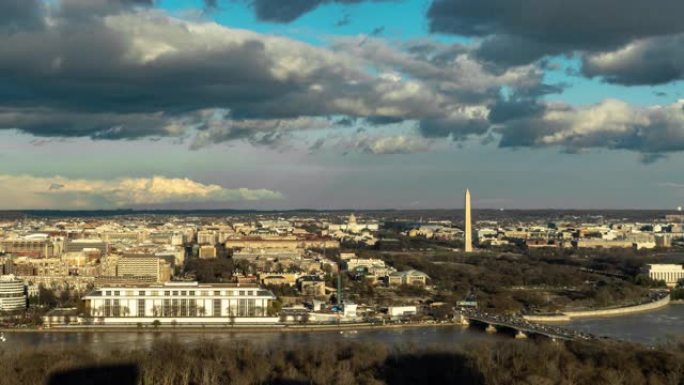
pixel 220 128
pixel 66 193
pixel 578 24
pixel 394 144
pixel 158 76
pixel 619 37
pixel 280 11
pixel 611 124
pixel 655 60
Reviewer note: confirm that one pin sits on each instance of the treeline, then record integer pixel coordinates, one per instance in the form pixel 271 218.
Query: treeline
pixel 496 363
pixel 520 282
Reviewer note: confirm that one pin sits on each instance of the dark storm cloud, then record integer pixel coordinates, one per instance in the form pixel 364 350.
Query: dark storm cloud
pixel 649 61
pixel 285 11
pixel 519 32
pixel 580 24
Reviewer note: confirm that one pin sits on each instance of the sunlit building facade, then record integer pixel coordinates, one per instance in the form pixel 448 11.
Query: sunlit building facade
pixel 180 303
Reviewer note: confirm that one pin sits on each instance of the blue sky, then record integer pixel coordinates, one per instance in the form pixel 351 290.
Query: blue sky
pixel 377 104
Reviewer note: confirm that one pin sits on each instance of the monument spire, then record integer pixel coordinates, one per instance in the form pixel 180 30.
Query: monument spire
pixel 468 225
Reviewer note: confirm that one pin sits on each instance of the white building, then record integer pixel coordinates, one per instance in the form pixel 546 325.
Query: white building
pixel 12 293
pixel 401 311
pixel 670 273
pixel 181 303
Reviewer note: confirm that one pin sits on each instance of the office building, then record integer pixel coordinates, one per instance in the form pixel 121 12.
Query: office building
pixel 150 266
pixel 12 293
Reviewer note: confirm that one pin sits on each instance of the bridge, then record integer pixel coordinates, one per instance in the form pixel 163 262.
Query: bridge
pixel 522 327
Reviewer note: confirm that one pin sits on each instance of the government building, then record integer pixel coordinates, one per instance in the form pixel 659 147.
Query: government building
pixel 179 303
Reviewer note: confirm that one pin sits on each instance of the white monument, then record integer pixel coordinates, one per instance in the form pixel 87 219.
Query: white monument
pixel 468 225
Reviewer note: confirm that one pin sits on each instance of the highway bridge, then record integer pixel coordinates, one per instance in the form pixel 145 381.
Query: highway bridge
pixel 522 327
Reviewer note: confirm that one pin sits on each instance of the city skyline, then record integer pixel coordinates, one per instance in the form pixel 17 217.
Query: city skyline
pixel 248 105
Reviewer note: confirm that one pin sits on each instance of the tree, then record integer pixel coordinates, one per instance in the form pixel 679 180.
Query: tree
pixel 156 323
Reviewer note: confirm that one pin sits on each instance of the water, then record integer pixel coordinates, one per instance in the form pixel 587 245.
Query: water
pixel 124 340
pixel 651 328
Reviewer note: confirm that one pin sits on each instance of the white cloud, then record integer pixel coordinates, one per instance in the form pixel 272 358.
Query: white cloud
pixel 66 193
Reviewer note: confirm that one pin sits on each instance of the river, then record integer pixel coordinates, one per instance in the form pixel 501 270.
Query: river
pixel 651 328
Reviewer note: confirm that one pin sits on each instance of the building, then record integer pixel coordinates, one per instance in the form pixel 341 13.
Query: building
pixel 408 277
pixel 468 248
pixel 130 266
pixel 398 312
pixel 670 273
pixel 180 303
pixel 207 252
pixel 597 243
pixel 12 293
pixel 352 226
pixel 312 286
pixel 37 246
pixel 79 245
pixel 289 242
pixel 207 237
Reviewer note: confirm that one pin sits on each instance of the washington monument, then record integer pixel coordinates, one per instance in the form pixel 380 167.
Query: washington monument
pixel 468 224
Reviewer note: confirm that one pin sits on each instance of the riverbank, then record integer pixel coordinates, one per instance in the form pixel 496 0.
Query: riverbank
pixel 234 329
pixel 568 316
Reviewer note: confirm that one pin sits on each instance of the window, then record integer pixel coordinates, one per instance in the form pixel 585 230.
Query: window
pixel 250 293
pixel 155 293
pixel 167 293
pixel 116 293
pixel 251 307
pixel 141 293
pixel 166 310
pixel 191 292
pixel 141 307
pixel 184 307
pixel 108 292
pixel 175 309
pixel 242 293
pixel 108 308
pixel 116 308
pixel 175 292
pixel 205 293
pixel 216 292
pixel 192 308
pixel 184 292
pixel 217 308
pixel 242 308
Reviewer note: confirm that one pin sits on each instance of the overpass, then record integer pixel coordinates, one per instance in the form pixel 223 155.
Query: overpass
pixel 522 327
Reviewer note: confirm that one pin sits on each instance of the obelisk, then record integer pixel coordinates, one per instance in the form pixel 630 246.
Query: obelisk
pixel 468 225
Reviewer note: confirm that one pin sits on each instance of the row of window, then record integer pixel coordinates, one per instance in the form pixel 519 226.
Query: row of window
pixel 166 293
pixel 183 308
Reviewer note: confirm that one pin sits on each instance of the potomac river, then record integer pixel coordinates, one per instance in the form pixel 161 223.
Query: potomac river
pixel 652 328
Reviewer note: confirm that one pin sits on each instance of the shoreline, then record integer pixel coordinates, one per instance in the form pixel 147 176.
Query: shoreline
pixel 232 329
pixel 569 316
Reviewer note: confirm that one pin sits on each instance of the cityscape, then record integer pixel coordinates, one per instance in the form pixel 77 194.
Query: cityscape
pixel 341 192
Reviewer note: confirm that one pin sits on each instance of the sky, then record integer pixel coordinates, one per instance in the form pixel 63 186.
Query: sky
pixel 341 104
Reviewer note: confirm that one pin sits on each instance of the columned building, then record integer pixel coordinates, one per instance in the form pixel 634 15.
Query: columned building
pixel 670 273
pixel 189 303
